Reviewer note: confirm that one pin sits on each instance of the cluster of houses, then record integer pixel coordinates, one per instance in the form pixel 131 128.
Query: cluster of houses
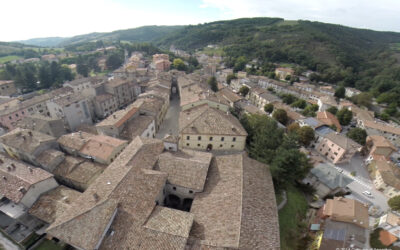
pixel 342 222
pixel 82 166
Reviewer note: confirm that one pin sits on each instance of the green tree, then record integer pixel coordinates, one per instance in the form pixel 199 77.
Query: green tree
pixel 212 82
pixel 344 116
pixel 394 203
pixel 384 116
pixel 391 109
pixel 244 90
pixel 264 136
pixel 230 77
pixel 340 92
pixel 363 99
pixel 300 103
pixel 114 60
pixel 306 135
pixel 294 127
pixel 281 116
pixel 287 78
pixel 269 108
pixel 179 64
pixel 358 135
pixel 333 110
pixel 310 110
pixel 82 69
pixel 288 98
pixel 288 166
pixel 240 64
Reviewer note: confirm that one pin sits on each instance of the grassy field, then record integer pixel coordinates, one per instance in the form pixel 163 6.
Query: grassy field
pixel 290 217
pixel 5 59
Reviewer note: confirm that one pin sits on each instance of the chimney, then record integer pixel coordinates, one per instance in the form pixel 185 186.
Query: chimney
pixel 4 178
pixel 24 138
pixel 30 133
pixel 96 197
pixel 9 168
pixel 13 165
pixel 30 169
pixel 22 190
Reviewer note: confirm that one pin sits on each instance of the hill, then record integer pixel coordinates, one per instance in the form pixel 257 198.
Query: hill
pixel 44 42
pixel 141 34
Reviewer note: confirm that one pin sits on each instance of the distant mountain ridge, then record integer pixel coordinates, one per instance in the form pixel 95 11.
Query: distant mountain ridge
pixel 140 34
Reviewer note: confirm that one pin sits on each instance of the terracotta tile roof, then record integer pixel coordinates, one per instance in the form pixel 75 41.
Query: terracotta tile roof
pixel 382 127
pixel 102 146
pixel 75 140
pixel 387 238
pixel 237 209
pixel 153 105
pixel 76 233
pixel 347 210
pixel 69 99
pixel 119 117
pixel 170 221
pixel 380 141
pixel 329 119
pixel 206 120
pixel 48 157
pixel 17 178
pixel 136 127
pixel 78 171
pixel 122 182
pixel 343 141
pixel 25 140
pixel 50 205
pixel 229 95
pixel 186 168
pixel 390 174
pixel 327 99
pixel 98 146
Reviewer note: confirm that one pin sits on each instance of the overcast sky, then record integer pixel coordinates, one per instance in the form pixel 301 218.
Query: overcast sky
pixel 24 19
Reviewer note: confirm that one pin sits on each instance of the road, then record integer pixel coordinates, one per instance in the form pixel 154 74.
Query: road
pixel 170 125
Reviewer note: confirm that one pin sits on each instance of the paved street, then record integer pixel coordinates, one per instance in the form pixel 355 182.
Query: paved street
pixel 357 165
pixel 378 200
pixel 170 124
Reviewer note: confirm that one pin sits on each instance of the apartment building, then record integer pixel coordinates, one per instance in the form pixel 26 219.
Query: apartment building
pixel 338 148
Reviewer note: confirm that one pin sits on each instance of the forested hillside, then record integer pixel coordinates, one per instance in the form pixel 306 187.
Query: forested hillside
pixel 365 59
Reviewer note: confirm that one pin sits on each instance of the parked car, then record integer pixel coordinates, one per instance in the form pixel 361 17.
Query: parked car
pixel 368 193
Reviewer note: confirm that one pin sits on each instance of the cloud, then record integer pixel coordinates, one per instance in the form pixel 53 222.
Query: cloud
pixel 378 15
pixel 24 19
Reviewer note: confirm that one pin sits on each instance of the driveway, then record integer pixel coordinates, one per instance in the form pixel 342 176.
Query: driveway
pixel 170 125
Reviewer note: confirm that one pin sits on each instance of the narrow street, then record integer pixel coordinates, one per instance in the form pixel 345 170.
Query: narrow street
pixel 170 125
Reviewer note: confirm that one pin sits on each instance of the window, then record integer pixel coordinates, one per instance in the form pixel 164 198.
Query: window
pixel 211 138
pixel 10 117
pixel 190 192
pixel 187 144
pixel 198 145
pixel 234 139
pixel 220 145
pixel 335 153
pixel 16 115
pixel 187 137
pixel 23 112
pixel 332 145
pixel 222 138
pixel 199 138
pixel 329 149
pixel 174 188
pixel 332 158
pixel 232 146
